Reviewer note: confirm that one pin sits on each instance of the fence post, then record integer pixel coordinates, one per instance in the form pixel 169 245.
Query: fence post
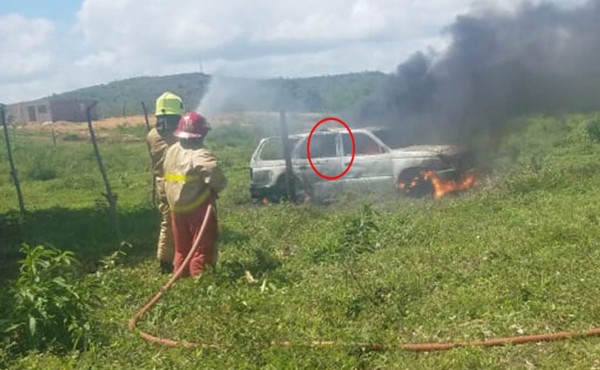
pixel 287 155
pixel 53 137
pixel 13 171
pixel 14 133
pixel 110 197
pixel 149 152
pixel 146 116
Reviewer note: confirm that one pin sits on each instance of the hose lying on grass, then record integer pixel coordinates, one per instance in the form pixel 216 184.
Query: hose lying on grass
pixel 417 347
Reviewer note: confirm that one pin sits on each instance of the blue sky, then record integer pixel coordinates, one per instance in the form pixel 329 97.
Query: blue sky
pixel 60 11
pixel 52 46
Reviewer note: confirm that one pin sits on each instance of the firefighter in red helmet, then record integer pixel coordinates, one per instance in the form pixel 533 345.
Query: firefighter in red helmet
pixel 192 180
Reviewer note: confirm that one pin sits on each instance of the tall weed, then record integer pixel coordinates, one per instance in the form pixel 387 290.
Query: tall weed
pixel 359 235
pixel 593 130
pixel 51 302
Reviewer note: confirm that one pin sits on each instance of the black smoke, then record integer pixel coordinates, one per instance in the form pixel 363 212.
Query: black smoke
pixel 540 58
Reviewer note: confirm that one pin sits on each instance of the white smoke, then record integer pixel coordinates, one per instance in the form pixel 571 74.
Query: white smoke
pixel 234 95
pixel 215 99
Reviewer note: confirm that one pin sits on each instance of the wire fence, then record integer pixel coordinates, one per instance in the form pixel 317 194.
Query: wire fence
pixel 45 158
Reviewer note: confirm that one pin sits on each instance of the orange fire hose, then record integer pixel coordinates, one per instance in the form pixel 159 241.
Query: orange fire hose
pixel 135 318
pixel 416 347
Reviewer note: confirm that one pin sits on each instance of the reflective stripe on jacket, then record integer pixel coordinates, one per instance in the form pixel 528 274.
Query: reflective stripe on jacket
pixel 190 176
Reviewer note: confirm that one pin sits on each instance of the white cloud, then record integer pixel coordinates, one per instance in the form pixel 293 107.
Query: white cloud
pixel 155 32
pixel 102 59
pixel 117 39
pixel 359 21
pixel 24 34
pixel 24 52
pixel 355 57
pixel 180 29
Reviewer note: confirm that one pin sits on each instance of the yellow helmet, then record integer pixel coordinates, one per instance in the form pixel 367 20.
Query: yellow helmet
pixel 169 104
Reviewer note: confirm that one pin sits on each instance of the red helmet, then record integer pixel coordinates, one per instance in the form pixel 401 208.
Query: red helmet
pixel 192 125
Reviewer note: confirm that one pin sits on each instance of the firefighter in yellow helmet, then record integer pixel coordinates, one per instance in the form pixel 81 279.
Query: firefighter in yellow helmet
pixel 192 180
pixel 169 108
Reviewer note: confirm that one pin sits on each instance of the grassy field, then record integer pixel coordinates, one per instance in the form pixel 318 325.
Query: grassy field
pixel 518 255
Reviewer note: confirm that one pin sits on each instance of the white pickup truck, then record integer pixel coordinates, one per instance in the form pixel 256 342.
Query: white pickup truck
pixel 378 164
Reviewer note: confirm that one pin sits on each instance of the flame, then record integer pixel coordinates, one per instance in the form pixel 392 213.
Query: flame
pixel 413 183
pixel 442 187
pixel 265 201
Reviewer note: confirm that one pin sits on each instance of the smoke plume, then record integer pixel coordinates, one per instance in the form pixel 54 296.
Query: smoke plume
pixel 538 59
pixel 232 94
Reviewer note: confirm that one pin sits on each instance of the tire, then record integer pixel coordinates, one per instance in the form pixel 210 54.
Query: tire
pixel 280 190
pixel 415 186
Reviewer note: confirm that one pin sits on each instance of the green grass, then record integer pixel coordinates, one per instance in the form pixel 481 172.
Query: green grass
pixel 518 255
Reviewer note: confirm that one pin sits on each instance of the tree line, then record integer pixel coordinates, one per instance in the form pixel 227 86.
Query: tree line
pixel 314 94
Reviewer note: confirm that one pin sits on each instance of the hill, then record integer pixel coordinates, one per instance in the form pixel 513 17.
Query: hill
pixel 316 94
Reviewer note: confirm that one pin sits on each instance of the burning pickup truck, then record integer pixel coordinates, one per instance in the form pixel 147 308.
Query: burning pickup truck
pixel 381 163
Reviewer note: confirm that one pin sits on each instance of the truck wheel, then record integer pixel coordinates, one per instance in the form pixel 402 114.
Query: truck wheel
pixel 411 183
pixel 280 192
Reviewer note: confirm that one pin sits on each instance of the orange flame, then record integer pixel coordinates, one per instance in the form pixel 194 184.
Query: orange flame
pixel 265 201
pixel 442 187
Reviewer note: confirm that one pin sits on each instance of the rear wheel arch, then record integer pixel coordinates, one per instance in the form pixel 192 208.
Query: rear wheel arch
pixel 280 187
pixel 410 182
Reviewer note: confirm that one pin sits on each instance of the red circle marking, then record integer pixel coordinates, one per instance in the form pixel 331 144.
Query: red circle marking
pixel 330 178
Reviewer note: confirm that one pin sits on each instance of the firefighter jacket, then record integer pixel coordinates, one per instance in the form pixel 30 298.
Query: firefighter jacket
pixel 191 175
pixel 158 145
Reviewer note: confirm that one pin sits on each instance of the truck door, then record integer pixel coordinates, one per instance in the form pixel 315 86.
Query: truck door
pixel 371 170
pixel 325 150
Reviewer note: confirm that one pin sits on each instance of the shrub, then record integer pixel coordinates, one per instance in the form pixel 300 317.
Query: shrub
pixel 41 174
pixel 51 304
pixel 359 235
pixel 11 230
pixel 526 180
pixel 72 137
pixel 593 130
pixel 361 232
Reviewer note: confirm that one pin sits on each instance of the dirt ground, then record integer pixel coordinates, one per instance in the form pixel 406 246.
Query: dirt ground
pixel 244 118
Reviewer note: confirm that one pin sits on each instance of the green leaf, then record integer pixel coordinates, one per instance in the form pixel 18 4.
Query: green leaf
pixel 13 327
pixel 32 325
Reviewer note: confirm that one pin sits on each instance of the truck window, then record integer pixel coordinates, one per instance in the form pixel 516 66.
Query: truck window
pixel 273 149
pixel 321 146
pixel 364 145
